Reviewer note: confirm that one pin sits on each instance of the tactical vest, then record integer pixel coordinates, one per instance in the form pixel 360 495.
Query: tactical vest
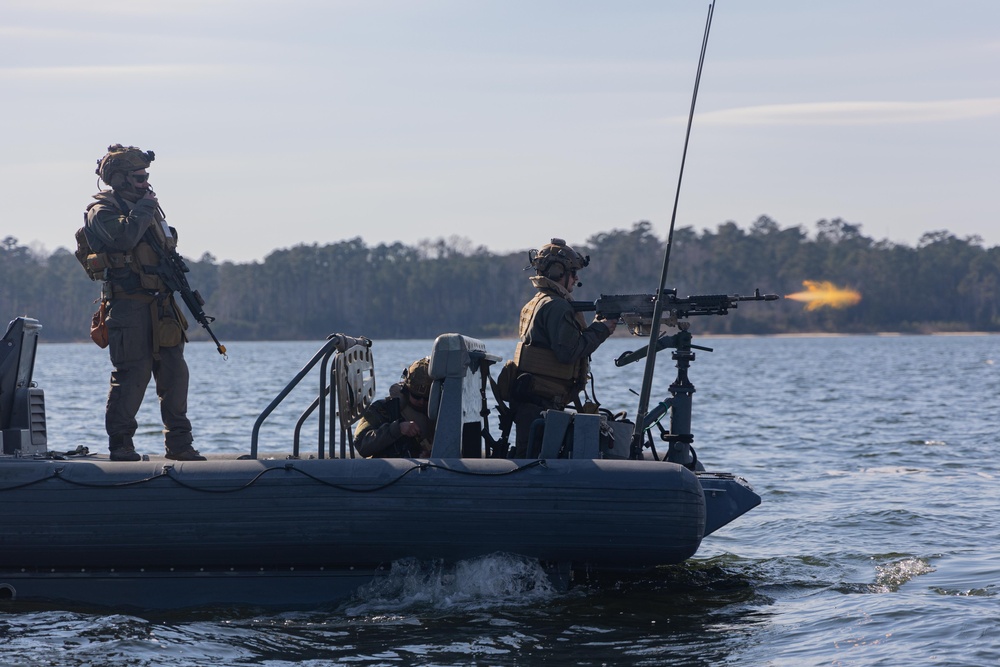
pixel 126 271
pixel 552 379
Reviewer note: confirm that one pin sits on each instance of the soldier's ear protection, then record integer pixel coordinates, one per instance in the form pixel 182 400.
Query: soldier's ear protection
pixel 555 271
pixel 545 265
pixel 117 177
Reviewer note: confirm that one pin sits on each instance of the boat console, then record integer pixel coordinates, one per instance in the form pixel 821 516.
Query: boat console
pixel 460 369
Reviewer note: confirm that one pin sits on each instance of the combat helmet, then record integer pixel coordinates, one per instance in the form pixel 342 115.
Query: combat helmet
pixel 120 161
pixel 417 378
pixel 554 259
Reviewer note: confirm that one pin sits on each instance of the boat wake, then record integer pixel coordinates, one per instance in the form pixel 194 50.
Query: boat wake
pixel 892 575
pixel 497 580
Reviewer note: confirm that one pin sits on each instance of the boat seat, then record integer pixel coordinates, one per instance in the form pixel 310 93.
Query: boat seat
pixel 581 432
pixel 586 436
pixel 557 426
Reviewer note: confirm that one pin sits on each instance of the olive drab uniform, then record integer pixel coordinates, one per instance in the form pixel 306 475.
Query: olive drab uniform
pixel 145 326
pixel 377 435
pixel 552 356
pixel 552 379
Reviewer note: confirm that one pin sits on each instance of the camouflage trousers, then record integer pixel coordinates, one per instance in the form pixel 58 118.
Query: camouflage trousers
pixel 130 338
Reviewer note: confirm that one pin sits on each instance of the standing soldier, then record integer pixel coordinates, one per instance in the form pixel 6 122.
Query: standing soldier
pixel 145 326
pixel 552 358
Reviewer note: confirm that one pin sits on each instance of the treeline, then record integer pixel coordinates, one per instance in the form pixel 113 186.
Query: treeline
pixel 400 291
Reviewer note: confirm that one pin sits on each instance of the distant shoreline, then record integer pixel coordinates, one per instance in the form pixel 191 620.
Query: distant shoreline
pixel 886 334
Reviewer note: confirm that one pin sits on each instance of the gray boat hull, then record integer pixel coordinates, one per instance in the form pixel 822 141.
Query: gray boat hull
pixel 260 531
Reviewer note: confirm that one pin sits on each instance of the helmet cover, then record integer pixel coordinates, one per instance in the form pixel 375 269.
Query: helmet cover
pixel 417 378
pixel 553 253
pixel 120 161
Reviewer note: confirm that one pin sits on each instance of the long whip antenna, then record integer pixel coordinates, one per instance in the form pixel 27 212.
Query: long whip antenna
pixel 654 331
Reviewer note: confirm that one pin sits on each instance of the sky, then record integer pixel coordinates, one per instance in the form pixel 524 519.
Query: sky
pixel 504 122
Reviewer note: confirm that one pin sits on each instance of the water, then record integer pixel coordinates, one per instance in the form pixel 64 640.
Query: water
pixel 877 542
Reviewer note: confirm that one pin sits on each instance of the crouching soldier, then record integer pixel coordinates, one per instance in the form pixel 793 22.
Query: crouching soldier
pixel 398 426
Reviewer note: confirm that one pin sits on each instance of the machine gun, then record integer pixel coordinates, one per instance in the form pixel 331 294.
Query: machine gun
pixel 171 270
pixel 636 310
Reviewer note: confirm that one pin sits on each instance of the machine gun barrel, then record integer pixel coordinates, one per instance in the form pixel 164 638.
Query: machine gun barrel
pixel 637 309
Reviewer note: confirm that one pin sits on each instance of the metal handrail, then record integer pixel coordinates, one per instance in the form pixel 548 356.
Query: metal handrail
pixel 334 343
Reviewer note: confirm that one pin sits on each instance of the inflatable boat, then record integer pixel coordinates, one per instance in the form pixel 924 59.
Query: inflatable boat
pixel 299 527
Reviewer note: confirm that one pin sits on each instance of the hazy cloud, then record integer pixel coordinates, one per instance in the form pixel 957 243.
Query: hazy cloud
pixel 855 113
pixel 114 72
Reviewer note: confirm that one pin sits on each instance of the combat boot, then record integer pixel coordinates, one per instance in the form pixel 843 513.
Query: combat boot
pixel 189 453
pixel 122 449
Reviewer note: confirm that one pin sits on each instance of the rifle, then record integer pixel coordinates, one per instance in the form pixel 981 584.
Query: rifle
pixel 171 270
pixel 636 310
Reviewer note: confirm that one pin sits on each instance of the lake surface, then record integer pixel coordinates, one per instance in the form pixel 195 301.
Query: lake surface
pixel 877 543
